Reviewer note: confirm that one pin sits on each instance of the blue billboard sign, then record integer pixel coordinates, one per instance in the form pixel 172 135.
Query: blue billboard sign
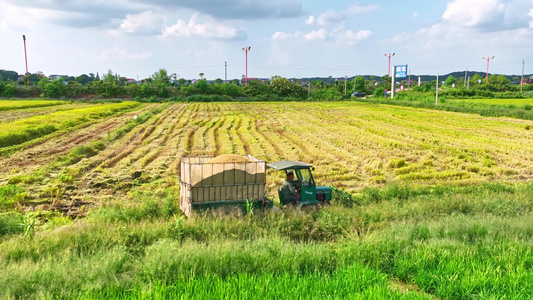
pixel 401 71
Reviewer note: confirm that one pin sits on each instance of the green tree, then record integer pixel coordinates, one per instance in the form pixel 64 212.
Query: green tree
pixel 42 83
pixel 145 91
pixel 109 77
pixel 231 89
pixel 133 89
pixel 476 78
pixel 360 84
pixel 161 78
pixel 202 86
pixel 9 90
pixel 50 90
pixel 285 88
pixel 450 81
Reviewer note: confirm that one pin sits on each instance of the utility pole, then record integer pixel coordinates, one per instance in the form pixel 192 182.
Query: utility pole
pixel 225 72
pixel 393 84
pixel 522 79
pixel 466 72
pixel 468 83
pixel 246 49
pixel 26 58
pixel 488 59
pixel 308 89
pixel 354 81
pixel 389 61
pixel 437 93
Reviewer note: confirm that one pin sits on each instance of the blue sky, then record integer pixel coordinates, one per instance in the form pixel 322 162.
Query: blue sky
pixel 290 38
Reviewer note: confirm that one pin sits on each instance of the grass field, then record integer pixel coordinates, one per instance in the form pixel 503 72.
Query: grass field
pixel 23 130
pixel 441 206
pixel 515 102
pixel 6 105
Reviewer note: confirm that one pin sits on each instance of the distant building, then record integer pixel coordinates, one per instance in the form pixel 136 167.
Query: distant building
pixel 54 77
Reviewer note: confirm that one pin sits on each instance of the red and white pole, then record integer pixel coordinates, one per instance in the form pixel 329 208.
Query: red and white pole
pixel 246 49
pixel 390 55
pixel 26 58
pixel 488 59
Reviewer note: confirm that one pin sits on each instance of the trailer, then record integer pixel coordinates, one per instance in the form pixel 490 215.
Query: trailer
pixel 207 183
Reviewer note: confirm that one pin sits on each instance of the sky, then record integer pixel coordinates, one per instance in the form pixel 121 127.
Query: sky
pixel 289 38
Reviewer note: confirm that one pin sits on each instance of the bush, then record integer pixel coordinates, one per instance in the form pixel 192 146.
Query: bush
pixel 208 98
pixel 379 92
pixel 327 94
pixel 9 90
pixel 50 90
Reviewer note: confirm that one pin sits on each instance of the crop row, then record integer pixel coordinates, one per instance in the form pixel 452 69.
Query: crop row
pixel 20 131
pixel 356 145
pixel 351 145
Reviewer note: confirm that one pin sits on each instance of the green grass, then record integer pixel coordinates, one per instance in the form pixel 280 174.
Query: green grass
pixel 515 102
pixel 421 210
pixel 448 242
pixel 20 131
pixel 513 108
pixel 353 282
pixel 20 104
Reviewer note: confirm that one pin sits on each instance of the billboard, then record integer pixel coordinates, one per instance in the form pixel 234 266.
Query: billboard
pixel 401 71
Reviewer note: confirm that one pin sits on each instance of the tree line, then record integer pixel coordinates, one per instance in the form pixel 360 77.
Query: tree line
pixel 162 85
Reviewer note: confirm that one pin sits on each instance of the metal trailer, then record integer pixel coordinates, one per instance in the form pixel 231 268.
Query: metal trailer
pixel 222 185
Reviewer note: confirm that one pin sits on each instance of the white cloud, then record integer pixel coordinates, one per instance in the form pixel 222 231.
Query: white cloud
pixel 339 35
pixel 487 15
pixel 320 34
pixel 81 13
pixel 470 29
pixel 145 23
pixel 336 17
pixel 205 30
pixel 473 13
pixel 282 36
pixel 351 37
pixel 236 9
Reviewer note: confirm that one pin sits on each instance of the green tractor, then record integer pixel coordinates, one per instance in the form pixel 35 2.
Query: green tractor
pixel 304 183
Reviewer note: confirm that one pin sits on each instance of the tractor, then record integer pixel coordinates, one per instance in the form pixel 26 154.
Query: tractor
pixel 305 185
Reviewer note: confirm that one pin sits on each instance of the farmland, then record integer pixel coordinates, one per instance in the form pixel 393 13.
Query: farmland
pixel 515 102
pixel 441 203
pixel 18 104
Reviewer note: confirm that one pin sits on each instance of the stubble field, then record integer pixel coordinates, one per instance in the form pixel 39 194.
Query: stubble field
pixel 432 192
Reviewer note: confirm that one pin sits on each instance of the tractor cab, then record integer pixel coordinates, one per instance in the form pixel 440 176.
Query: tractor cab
pixel 303 182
